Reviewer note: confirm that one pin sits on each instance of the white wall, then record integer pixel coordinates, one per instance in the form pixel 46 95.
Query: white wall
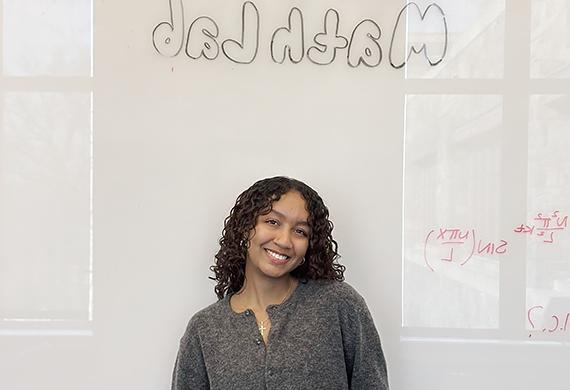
pixel 115 180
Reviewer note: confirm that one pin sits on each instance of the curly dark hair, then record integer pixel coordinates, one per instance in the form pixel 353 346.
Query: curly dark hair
pixel 320 258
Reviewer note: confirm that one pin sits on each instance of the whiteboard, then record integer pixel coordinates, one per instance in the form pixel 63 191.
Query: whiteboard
pixel 436 132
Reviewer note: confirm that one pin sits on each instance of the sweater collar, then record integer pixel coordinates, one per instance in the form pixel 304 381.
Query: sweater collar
pixel 295 297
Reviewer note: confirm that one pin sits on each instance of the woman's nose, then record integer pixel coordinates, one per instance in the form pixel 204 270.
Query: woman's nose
pixel 283 238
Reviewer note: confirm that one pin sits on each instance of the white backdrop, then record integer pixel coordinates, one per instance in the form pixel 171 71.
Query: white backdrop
pixel 121 155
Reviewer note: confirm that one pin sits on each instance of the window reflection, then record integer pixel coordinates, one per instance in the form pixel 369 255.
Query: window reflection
pixel 475 40
pixel 550 39
pixel 451 239
pixel 47 37
pixel 45 207
pixel 548 245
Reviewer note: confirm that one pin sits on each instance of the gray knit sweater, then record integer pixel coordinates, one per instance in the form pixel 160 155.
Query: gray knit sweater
pixel 322 337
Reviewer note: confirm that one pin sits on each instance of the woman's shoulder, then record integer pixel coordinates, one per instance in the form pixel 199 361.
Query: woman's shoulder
pixel 340 292
pixel 211 313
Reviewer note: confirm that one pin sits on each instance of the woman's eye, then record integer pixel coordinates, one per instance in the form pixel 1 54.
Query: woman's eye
pixel 301 232
pixel 272 222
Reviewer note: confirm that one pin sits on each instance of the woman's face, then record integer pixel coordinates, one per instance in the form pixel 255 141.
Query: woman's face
pixel 280 239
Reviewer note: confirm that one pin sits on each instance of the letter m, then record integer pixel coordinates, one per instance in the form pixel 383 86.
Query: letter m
pixel 416 32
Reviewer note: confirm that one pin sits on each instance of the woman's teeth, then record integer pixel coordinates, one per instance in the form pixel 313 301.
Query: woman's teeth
pixel 277 255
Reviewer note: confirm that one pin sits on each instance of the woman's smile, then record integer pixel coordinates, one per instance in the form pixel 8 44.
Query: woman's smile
pixel 276 257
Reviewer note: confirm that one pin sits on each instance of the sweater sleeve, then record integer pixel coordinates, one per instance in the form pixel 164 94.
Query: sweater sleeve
pixel 364 358
pixel 190 370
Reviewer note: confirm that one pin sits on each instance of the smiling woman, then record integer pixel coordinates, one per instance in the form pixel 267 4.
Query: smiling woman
pixel 285 319
pixel 279 241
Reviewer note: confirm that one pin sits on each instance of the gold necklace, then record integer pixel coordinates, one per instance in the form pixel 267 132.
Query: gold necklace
pixel 261 326
pixel 261 323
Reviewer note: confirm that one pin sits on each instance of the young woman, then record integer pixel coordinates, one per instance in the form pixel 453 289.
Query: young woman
pixel 284 317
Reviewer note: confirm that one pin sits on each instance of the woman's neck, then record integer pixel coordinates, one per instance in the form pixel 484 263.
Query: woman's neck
pixel 258 293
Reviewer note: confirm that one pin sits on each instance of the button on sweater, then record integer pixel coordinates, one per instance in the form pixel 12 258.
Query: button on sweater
pixel 322 337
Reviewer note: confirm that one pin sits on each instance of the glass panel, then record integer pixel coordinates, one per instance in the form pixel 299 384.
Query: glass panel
pixel 550 39
pixel 47 37
pixel 546 228
pixel 452 242
pixel 475 39
pixel 45 206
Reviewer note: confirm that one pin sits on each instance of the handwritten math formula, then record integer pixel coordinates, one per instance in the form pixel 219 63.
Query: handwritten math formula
pixel 545 226
pixel 455 245
pixel 459 245
pixel 558 323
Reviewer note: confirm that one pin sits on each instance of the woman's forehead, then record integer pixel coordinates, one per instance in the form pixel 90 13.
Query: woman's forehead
pixel 290 205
